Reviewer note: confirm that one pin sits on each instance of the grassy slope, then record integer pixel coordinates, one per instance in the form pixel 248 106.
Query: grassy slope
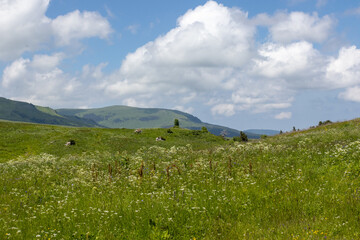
pixel 22 139
pixel 49 111
pixel 25 112
pixel 300 185
pixel 130 117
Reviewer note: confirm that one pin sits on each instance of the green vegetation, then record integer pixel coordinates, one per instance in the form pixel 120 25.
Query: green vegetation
pixel 108 117
pixel 25 112
pixel 115 184
pixel 132 118
pixel 24 139
pixel 176 123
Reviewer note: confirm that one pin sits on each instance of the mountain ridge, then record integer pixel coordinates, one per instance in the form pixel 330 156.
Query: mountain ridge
pixel 116 116
pixel 119 116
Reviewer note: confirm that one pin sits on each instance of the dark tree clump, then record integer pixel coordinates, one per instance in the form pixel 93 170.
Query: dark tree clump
pixel 176 123
pixel 243 136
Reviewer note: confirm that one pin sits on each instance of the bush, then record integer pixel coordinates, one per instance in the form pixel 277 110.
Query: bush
pixel 176 123
pixel 243 136
pixel 204 129
pixel 324 123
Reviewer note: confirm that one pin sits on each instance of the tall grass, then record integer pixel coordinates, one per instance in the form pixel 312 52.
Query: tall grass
pixel 295 186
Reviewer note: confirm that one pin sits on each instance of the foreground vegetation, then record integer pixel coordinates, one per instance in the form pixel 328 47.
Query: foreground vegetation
pixel 302 185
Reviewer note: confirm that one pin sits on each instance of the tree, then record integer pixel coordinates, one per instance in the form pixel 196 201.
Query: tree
pixel 294 129
pixel 204 129
pixel 176 123
pixel 243 136
pixel 281 132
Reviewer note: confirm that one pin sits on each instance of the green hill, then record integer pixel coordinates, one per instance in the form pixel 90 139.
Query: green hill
pixel 25 112
pixel 132 118
pixel 27 139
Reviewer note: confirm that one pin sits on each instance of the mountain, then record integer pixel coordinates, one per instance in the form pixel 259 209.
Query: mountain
pixel 262 132
pixel 132 117
pixel 108 117
pixel 25 112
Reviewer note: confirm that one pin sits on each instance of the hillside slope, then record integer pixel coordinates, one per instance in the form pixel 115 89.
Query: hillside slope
pixel 25 112
pixel 132 117
pixel 26 139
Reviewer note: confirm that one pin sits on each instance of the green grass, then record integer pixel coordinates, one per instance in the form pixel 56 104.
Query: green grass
pixel 132 118
pixel 114 184
pixel 23 139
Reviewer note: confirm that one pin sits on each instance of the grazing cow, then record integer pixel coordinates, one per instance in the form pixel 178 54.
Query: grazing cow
pixel 71 142
pixel 160 139
pixel 138 130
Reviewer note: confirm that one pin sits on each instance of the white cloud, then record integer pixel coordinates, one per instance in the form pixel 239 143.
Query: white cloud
pixel 344 71
pixel 39 81
pixel 200 55
pixel 297 26
pixel 223 109
pixel 212 52
pixel 295 66
pixel 76 25
pixel 351 94
pixel 210 58
pixel 24 27
pixel 283 115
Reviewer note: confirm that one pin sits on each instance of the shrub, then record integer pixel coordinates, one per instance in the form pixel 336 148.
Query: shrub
pixel 204 129
pixel 176 123
pixel 324 123
pixel 243 136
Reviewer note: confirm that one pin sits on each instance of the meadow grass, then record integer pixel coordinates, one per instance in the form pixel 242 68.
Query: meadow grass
pixel 302 185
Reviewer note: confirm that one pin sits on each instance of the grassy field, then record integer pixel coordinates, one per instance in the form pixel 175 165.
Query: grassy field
pixel 114 184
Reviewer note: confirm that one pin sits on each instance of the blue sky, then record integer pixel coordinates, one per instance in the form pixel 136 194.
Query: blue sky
pixel 243 64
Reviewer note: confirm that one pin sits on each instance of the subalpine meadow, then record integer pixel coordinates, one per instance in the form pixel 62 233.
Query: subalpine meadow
pixel 115 184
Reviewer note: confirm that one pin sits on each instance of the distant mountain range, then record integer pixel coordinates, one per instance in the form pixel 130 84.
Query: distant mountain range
pixel 263 132
pixel 132 117
pixel 25 112
pixel 113 117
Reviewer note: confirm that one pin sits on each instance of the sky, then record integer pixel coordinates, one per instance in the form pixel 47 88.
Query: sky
pixel 238 63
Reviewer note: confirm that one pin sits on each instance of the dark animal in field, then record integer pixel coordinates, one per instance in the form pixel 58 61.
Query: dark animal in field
pixel 160 139
pixel 69 143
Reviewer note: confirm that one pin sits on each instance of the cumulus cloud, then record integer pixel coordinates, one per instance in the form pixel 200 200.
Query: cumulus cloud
pixel 223 109
pixel 295 66
pixel 351 94
pixel 297 26
pixel 76 25
pixel 210 54
pixel 24 27
pixel 38 80
pixel 200 55
pixel 283 115
pixel 344 71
